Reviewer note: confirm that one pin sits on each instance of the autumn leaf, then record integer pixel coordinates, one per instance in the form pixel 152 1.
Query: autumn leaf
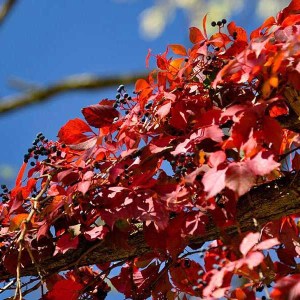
pixel 65 243
pixel 64 289
pixel 100 115
pixel 178 49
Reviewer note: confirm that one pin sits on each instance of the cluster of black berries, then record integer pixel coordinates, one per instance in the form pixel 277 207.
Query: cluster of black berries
pixel 122 98
pixel 183 163
pixel 4 193
pixel 36 149
pixel 39 148
pixel 219 23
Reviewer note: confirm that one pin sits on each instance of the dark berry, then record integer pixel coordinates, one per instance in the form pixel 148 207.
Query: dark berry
pixel 125 95
pixel 63 145
pixel 118 96
pixel 219 23
pixel 3 186
pixel 120 88
pixel 224 21
pixel 35 156
pixel 213 23
pixel 32 163
pixel 115 105
pixel 123 101
pixel 58 153
pixel 208 57
pixel 186 59
pixel 217 49
pixel 53 148
pixel 47 160
pixel 39 135
pixel 126 112
pixel 148 105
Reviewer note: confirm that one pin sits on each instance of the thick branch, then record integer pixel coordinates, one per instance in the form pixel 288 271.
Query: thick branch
pixel 261 205
pixel 6 9
pixel 73 83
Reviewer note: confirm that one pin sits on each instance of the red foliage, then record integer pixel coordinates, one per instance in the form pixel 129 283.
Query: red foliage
pixel 212 115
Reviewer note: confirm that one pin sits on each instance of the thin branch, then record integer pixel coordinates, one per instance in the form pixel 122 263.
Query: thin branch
pixel 6 9
pixel 73 83
pixel 7 286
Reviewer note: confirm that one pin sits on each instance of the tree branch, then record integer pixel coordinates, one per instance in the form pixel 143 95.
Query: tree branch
pixel 73 83
pixel 6 9
pixel 262 204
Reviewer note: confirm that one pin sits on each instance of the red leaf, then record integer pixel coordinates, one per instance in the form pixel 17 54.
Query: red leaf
pixel 178 49
pixel 296 162
pixel 214 181
pixel 65 243
pixel 248 242
pixel 277 109
pixel 64 289
pixel 216 158
pixel 184 275
pixel 239 178
pixel 100 115
pixel 196 35
pixel 262 164
pixel 287 288
pixel 73 132
pixel 97 232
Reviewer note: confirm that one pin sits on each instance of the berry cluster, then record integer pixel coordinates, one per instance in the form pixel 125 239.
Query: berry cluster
pixel 184 162
pixel 41 147
pixel 122 99
pixel 4 193
pixel 219 23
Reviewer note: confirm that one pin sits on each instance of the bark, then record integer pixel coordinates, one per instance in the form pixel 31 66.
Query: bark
pixel 262 204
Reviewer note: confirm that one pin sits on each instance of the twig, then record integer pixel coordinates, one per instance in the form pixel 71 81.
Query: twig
pixel 3 289
pixel 73 83
pixel 6 9
pixel 21 238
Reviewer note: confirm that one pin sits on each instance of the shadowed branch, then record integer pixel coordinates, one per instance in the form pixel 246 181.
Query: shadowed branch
pixel 73 83
pixel 262 204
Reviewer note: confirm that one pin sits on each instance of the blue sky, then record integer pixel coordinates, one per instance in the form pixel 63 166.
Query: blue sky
pixel 42 42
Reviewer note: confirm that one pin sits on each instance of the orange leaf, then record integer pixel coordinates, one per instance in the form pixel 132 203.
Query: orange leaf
pixel 20 175
pixel 175 65
pixel 266 89
pixel 277 62
pixel 16 221
pixel 273 81
pixel 201 157
pixel 204 25
pixel 241 32
pixel 196 35
pixel 140 85
pixel 178 49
